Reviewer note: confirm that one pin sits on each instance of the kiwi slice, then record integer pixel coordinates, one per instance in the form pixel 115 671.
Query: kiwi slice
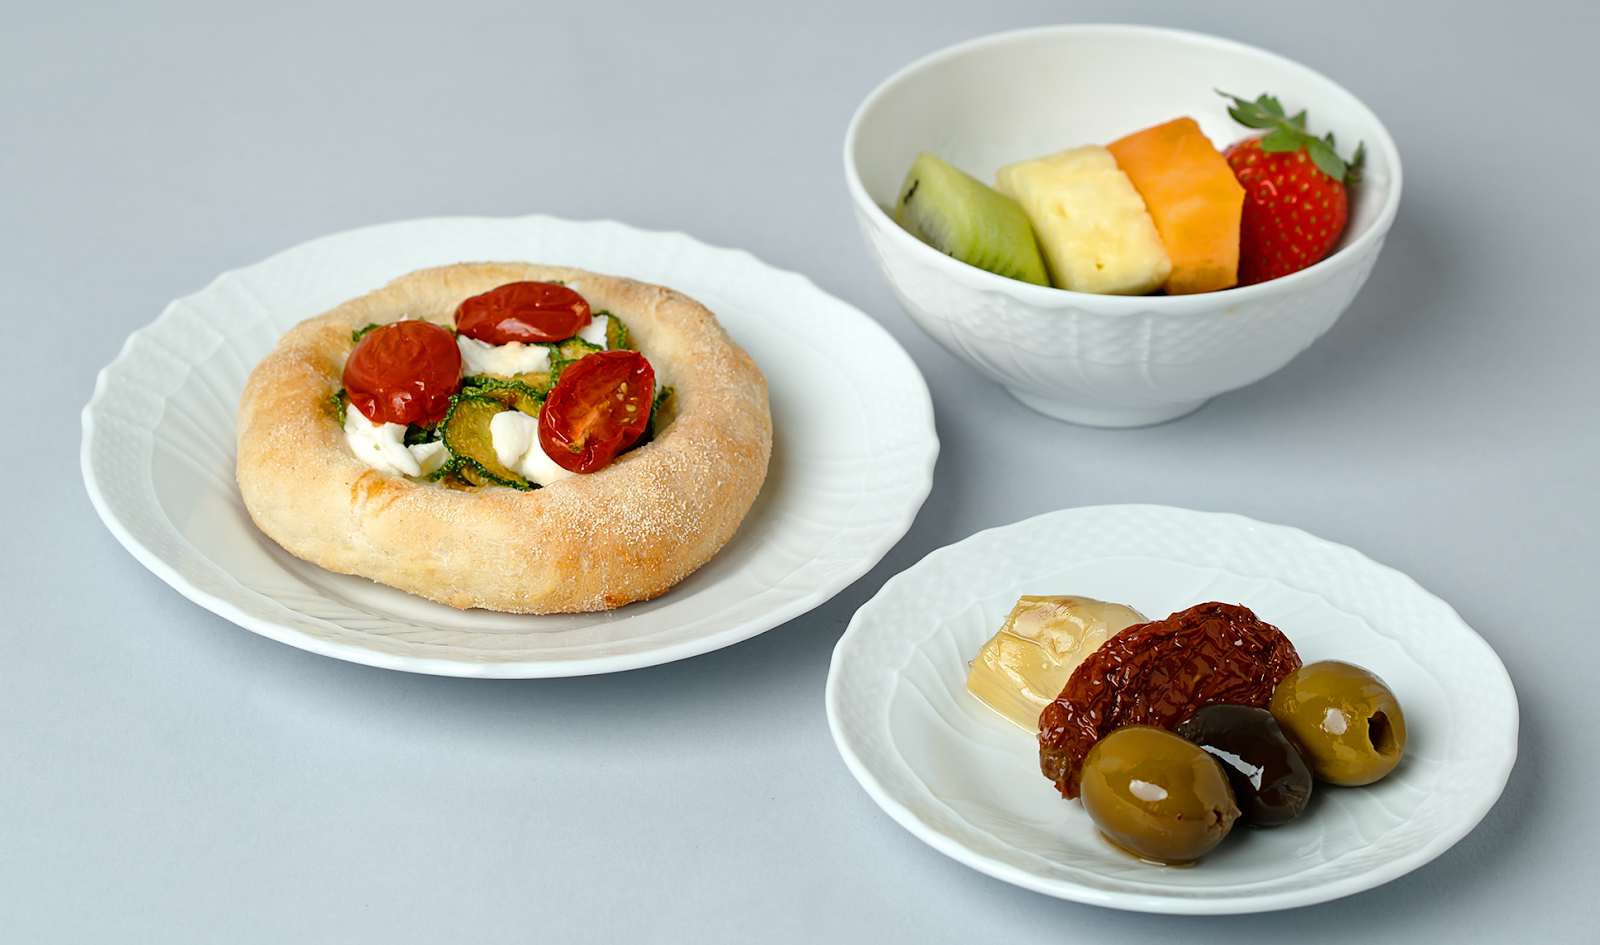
pixel 962 217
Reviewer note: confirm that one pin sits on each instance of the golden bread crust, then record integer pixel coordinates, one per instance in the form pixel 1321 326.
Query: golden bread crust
pixel 592 542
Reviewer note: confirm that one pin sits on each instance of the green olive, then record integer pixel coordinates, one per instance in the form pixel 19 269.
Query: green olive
pixel 1157 795
pixel 1344 719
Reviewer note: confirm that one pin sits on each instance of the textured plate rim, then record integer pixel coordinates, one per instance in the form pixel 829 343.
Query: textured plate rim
pixel 1494 781
pixel 867 553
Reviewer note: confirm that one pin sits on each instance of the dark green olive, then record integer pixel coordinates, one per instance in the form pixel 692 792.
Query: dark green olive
pixel 1344 719
pixel 1157 795
pixel 1271 782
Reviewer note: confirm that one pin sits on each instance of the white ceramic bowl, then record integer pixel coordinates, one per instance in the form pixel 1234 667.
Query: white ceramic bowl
pixel 1102 360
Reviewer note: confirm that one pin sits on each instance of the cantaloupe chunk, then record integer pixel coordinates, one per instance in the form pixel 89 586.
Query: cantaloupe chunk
pixel 1193 197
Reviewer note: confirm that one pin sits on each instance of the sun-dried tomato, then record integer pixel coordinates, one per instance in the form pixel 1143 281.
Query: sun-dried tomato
pixel 1159 673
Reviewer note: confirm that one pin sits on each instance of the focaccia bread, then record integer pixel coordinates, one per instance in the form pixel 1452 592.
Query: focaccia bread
pixel 592 542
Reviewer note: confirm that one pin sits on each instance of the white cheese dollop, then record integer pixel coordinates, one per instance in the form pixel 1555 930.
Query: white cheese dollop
pixel 479 357
pixel 382 446
pixel 430 456
pixel 515 436
pixel 595 331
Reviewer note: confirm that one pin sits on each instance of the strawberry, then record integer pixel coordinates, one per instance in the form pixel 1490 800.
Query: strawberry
pixel 1295 198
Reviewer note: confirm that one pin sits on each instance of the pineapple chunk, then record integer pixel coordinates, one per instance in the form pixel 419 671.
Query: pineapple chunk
pixel 1025 666
pixel 1091 223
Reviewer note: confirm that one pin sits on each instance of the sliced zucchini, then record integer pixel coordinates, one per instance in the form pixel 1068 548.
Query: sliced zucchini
pixel 473 476
pixel 538 383
pixel 662 411
pixel 451 478
pixel 466 434
pixel 447 472
pixel 514 394
pixel 616 332
pixel 575 349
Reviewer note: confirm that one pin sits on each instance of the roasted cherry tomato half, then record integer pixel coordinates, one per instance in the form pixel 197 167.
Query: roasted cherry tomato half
pixel 403 372
pixel 598 408
pixel 523 311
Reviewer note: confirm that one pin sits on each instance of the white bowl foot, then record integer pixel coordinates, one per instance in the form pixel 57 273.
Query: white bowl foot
pixel 1089 412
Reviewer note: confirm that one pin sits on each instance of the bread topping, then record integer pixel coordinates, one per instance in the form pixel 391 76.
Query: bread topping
pixel 509 381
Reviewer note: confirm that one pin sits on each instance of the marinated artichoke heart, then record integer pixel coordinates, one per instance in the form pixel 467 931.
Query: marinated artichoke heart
pixel 1023 667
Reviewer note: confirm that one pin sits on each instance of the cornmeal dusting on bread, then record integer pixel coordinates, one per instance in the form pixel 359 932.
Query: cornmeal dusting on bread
pixel 594 541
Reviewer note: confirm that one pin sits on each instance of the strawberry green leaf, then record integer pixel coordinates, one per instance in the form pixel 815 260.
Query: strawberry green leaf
pixel 1247 114
pixel 1248 119
pixel 1288 133
pixel 1324 158
pixel 1352 174
pixel 1264 112
pixel 1282 139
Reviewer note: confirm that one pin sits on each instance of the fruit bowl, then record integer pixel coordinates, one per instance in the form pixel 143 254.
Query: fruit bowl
pixel 1104 360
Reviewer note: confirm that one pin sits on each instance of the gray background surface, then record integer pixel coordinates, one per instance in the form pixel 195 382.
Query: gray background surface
pixel 167 776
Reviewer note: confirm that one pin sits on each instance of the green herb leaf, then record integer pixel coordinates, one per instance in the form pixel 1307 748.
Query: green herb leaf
pixel 361 332
pixel 416 433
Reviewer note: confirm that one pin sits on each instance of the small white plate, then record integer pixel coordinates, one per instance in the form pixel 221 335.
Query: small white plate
pixel 967 782
pixel 852 457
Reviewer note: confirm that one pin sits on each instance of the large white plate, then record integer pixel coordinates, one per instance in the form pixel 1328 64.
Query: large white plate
pixel 852 456
pixel 968 783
